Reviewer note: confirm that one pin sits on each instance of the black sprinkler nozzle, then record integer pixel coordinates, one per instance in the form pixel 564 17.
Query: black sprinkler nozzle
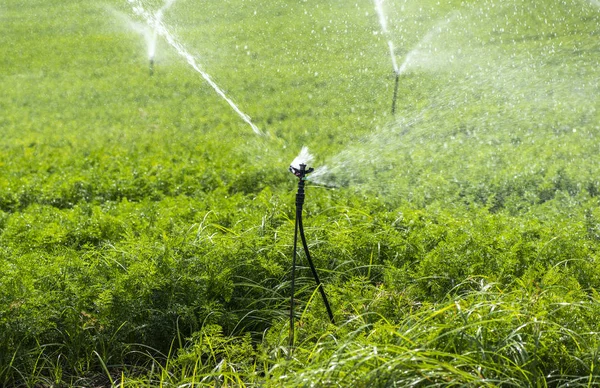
pixel 302 171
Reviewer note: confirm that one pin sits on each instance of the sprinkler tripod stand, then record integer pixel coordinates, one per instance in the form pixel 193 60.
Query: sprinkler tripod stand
pixel 301 174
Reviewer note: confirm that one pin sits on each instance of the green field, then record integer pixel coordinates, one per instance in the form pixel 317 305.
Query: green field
pixel 146 230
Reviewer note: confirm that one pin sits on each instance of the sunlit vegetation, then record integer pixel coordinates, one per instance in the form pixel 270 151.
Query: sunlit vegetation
pixel 146 231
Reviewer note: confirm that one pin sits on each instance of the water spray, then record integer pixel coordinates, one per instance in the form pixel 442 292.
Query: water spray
pixel 298 168
pixel 397 70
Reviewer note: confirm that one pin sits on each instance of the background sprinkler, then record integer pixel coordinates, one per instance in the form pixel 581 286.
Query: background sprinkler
pixel 395 92
pixel 299 170
pixel 154 20
pixel 397 71
pixel 158 15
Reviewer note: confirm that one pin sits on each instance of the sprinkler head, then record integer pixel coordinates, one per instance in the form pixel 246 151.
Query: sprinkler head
pixel 298 165
pixel 301 171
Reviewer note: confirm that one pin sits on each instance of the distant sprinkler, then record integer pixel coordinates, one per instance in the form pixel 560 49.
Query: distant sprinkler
pixel 158 15
pixel 395 97
pixel 298 168
pixel 383 21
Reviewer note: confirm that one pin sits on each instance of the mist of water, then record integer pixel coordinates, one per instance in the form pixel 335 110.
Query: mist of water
pixel 412 56
pixel 144 30
pixel 160 29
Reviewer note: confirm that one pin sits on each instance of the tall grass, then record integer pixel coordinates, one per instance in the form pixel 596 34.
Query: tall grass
pixel 484 338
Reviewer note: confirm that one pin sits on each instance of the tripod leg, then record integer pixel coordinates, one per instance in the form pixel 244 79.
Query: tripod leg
pixel 313 269
pixel 292 307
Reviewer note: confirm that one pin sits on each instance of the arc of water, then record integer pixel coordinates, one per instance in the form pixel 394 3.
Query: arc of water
pixel 158 16
pixel 381 14
pixel 383 22
pixel 161 30
pixel 394 62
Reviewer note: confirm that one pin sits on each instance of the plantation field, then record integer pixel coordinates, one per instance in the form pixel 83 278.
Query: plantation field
pixel 146 230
